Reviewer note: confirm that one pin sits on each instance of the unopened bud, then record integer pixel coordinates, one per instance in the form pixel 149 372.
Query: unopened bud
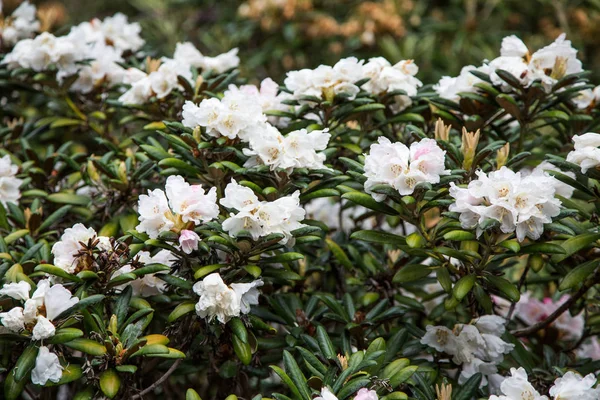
pixel 502 156
pixel 443 391
pixel 92 172
pixel 470 140
pixel 442 131
pixel 559 69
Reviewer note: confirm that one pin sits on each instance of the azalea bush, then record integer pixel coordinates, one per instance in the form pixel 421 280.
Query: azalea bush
pixel 168 230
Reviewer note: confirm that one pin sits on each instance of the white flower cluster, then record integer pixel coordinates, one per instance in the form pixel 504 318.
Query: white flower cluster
pixel 163 81
pixel 102 43
pixel 297 149
pixel 362 394
pixel 9 184
pixel 477 347
pixel 326 81
pixel 217 300
pixel 261 218
pixel 267 97
pixel 149 284
pixel 402 168
pixel 238 115
pixel 181 207
pixel 521 204
pixel 449 87
pixel 71 242
pixel 21 24
pixel 39 310
pixel 547 65
pixel 587 98
pixel 587 151
pixel 571 386
pixel 385 77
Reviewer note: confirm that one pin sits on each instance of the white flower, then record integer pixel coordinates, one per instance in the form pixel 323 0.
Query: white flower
pixel 217 300
pixel 261 218
pixel 325 81
pixel 222 62
pixel 47 367
pixel 43 329
pixel 553 62
pixel 115 31
pixel 326 394
pixel 21 24
pixel 70 244
pixel 517 387
pixel 590 349
pixel 268 98
pixel 103 68
pixel 13 319
pixel 573 386
pixel 383 77
pixel 149 284
pixel 477 366
pixel 512 46
pixel 366 394
pixel 9 184
pixel 587 98
pixel 18 290
pixel 402 168
pixel 586 153
pixel 155 215
pixel 56 300
pixel 190 202
pixel 298 149
pixel 560 188
pixel 521 204
pixel 188 240
pixel 230 117
pixel 449 87
pixel 247 293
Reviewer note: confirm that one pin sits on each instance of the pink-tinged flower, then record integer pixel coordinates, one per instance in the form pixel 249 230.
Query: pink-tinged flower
pixel 366 394
pixel 188 240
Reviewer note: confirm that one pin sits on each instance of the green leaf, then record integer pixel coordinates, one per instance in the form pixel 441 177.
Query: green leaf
pixel 468 390
pixel 110 383
pixel 379 237
pixel 61 273
pixel 65 335
pixel 179 165
pixel 411 272
pixel 339 254
pixel 182 309
pixel 286 379
pixel 575 244
pixel 367 201
pixel 293 370
pixel 546 248
pixel 26 362
pixel 325 343
pixel 463 286
pixel 69 198
pixel 81 304
pixel 191 394
pixel 16 235
pixel 239 329
pixel 87 346
pixel 507 288
pixel 459 235
pixel 578 274
pixel 282 258
pixel 70 373
pixel 54 217
pixel 403 375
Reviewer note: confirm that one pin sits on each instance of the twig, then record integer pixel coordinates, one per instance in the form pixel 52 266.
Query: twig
pixel 560 310
pixel 159 381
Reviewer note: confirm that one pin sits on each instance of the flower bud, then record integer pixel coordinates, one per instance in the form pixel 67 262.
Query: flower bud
pixel 502 155
pixel 188 240
pixel 470 140
pixel 92 171
pixel 442 131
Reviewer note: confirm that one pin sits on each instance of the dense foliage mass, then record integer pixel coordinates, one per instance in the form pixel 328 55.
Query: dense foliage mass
pixel 352 232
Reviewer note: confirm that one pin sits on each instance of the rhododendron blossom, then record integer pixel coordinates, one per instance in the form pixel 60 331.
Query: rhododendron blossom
pixel 402 168
pixel 220 301
pixel 521 204
pixel 587 151
pixel 9 183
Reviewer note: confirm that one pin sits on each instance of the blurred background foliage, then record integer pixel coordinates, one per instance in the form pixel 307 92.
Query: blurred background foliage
pixel 281 35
